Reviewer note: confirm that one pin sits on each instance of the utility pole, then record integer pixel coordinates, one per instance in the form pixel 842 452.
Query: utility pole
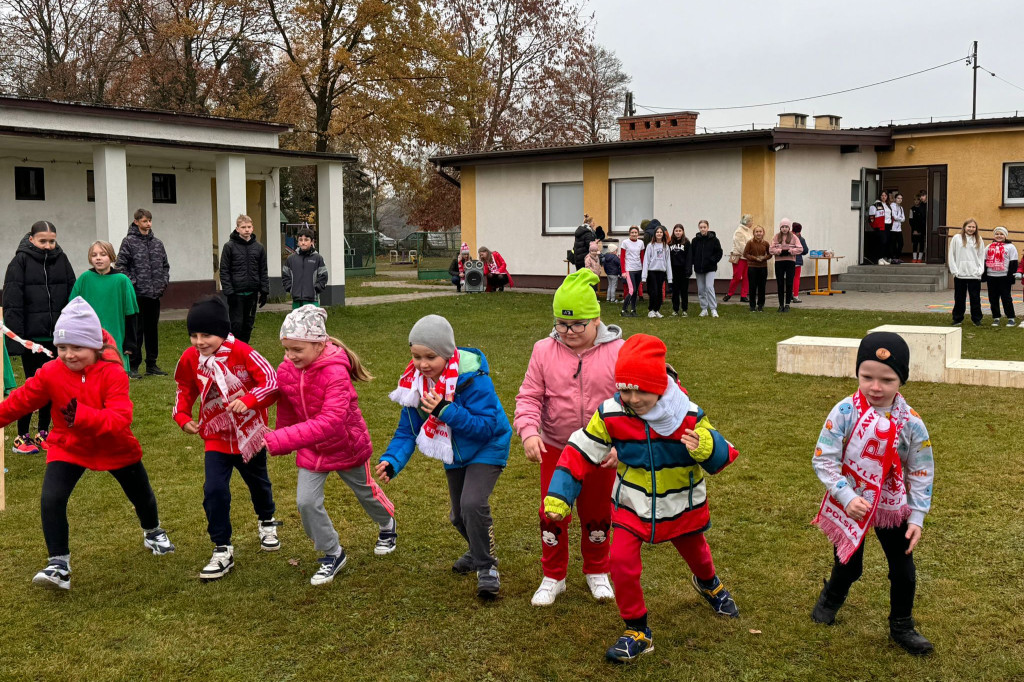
pixel 974 98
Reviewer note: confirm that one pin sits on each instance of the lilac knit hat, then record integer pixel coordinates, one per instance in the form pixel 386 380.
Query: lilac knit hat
pixel 78 325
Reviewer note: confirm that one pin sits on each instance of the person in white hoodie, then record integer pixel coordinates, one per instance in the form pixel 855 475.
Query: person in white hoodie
pixel 967 263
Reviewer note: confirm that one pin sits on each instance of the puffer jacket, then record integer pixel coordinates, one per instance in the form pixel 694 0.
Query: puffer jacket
pixel 37 286
pixel 101 437
pixel 581 244
pixel 480 430
pixel 318 415
pixel 705 252
pixel 243 266
pixel 142 257
pixel 304 275
pixel 561 389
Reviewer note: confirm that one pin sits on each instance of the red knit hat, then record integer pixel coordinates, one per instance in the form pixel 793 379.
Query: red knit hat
pixel 641 365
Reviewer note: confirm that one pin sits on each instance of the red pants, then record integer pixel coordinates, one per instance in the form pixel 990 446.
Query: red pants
pixel 626 567
pixel 796 282
pixel 739 273
pixel 594 506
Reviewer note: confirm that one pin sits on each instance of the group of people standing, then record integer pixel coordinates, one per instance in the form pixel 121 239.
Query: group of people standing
pixel 971 262
pixel 887 216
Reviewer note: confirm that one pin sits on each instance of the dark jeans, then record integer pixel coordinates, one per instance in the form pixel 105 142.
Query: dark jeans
pixel 457 281
pixel 242 309
pixel 883 243
pixel 628 299
pixel 961 288
pixel 217 491
pixel 897 245
pixel 785 270
pixel 470 490
pixel 680 294
pixel 758 281
pixel 149 320
pixel 917 241
pixel 902 573
pixel 656 287
pixel 60 479
pixel 497 282
pixel 999 292
pixel 32 362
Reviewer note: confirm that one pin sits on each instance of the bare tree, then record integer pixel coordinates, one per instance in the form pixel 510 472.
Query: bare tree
pixel 592 89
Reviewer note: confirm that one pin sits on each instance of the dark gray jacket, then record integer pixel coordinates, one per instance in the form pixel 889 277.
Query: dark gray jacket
pixel 144 260
pixel 304 275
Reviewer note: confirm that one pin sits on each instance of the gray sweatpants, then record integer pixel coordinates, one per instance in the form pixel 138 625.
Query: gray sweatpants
pixel 613 285
pixel 470 490
pixel 309 497
pixel 706 290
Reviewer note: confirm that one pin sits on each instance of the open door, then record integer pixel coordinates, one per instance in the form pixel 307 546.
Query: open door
pixel 870 182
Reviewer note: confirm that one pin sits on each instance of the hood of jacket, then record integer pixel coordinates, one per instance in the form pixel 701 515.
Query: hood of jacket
pixel 709 235
pixel 134 231
pixel 235 237
pixel 33 251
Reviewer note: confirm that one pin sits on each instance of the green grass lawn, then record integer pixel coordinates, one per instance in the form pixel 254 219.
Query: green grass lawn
pixel 131 615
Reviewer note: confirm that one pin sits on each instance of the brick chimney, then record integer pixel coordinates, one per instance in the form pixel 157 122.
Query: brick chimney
pixel 654 126
pixel 827 122
pixel 792 120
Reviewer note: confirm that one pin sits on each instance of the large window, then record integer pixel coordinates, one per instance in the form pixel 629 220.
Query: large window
pixel 563 207
pixel 28 184
pixel 1013 184
pixel 632 202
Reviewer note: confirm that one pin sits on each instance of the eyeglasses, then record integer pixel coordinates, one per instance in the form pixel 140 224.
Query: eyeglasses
pixel 574 327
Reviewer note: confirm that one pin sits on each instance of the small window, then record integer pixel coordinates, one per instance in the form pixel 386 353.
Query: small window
pixel 632 201
pixel 647 124
pixel 90 186
pixel 563 207
pixel 855 194
pixel 165 188
pixel 675 122
pixel 657 124
pixel 632 126
pixel 28 184
pixel 1013 184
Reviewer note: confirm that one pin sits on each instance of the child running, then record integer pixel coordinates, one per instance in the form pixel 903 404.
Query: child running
pixel 112 296
pixel 571 372
pixel 451 412
pixel 664 445
pixel 874 457
pixel 318 415
pixel 89 387
pixel 234 385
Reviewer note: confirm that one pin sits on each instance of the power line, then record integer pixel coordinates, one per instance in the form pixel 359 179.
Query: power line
pixel 804 99
pixel 1001 78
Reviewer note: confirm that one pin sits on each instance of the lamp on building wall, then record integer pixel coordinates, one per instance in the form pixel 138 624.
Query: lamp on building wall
pixel 779 147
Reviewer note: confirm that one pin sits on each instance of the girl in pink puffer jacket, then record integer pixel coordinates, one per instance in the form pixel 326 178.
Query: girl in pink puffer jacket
pixel 318 415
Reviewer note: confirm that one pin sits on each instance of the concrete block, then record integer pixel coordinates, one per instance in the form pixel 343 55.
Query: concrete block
pixel 817 355
pixel 1004 373
pixel 932 349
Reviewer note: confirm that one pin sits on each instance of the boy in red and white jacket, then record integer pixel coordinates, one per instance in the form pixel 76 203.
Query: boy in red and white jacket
pixel 235 385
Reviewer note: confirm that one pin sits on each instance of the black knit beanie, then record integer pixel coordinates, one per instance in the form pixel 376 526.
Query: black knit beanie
pixel 209 316
pixel 887 348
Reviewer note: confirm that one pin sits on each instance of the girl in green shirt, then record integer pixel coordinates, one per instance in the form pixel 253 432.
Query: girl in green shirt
pixel 112 296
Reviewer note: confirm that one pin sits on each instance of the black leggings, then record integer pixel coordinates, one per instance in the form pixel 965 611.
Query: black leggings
pixel 680 293
pixel 897 245
pixel 62 477
pixel 999 292
pixel 758 279
pixel 656 289
pixel 785 270
pixel 32 362
pixel 902 573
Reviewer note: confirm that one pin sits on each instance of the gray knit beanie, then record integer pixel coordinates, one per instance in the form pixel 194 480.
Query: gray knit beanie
pixel 78 325
pixel 434 332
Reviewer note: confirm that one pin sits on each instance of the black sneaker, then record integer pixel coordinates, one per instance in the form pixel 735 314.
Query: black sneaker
pixel 463 565
pixel 154 371
pixel 718 597
pixel 902 631
pixel 329 567
pixel 786 309
pixel 727 297
pixel 133 373
pixel 387 540
pixel 828 605
pixel 782 308
pixel 744 299
pixel 488 582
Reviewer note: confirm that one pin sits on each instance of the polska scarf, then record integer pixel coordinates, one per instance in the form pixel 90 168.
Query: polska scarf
pixel 435 437
pixel 245 429
pixel 995 256
pixel 872 465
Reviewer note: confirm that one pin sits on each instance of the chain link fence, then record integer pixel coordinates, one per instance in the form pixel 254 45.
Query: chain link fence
pixel 360 248
pixel 434 253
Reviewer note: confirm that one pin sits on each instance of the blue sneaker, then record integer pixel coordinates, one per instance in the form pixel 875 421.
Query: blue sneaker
pixel 719 598
pixel 329 567
pixel 631 645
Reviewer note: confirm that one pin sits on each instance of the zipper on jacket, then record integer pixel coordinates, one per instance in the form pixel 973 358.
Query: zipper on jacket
pixel 49 299
pixel 654 482
pixel 691 490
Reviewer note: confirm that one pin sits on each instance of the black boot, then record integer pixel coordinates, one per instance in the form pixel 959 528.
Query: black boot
pixel 828 604
pixel 902 631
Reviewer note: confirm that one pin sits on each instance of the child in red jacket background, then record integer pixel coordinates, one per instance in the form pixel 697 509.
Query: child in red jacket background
pixel 235 385
pixel 89 388
pixel 318 415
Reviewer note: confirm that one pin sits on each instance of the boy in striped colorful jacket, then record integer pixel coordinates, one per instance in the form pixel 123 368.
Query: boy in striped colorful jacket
pixel 664 445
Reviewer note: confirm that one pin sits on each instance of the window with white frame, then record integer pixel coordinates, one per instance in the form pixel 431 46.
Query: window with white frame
pixel 1013 184
pixel 632 202
pixel 563 207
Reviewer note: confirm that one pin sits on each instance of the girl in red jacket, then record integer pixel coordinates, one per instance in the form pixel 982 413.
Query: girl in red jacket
pixel 318 415
pixel 89 389
pixel 234 385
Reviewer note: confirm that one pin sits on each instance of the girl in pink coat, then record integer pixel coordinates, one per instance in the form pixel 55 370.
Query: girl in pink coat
pixel 318 416
pixel 571 372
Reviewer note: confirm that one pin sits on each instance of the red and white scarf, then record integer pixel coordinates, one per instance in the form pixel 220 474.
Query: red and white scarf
pixel 995 257
pixel 246 429
pixel 872 465
pixel 435 437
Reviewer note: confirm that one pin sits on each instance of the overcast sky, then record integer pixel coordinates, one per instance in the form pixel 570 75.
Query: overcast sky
pixel 718 53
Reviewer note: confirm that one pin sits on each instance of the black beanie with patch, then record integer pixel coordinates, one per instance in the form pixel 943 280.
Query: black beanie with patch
pixel 889 349
pixel 209 316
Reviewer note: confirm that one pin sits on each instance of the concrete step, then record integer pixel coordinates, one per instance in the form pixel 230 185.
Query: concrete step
pixel 891 277
pixel 915 268
pixel 887 287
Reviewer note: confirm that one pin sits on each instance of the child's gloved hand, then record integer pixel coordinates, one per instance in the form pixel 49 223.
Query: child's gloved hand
pixel 263 299
pixel 384 471
pixel 69 412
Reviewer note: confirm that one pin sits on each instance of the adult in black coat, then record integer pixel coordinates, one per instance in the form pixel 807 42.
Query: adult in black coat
pixel 581 241
pixel 143 259
pixel 651 227
pixel 243 277
pixel 37 285
pixel 706 252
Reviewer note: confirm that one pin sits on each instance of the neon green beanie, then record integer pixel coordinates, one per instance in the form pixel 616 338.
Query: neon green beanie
pixel 576 298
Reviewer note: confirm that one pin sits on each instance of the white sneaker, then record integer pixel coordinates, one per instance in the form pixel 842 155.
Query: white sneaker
pixel 882 261
pixel 56 575
pixel 703 312
pixel 683 314
pixel 221 563
pixel 714 313
pixel 268 535
pixel 995 322
pixel 652 314
pixel 157 542
pixel 600 586
pixel 658 314
pixel 675 314
pixel 547 592
pixel 1011 322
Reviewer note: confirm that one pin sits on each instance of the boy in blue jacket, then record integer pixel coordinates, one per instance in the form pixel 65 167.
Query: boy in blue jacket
pixel 451 412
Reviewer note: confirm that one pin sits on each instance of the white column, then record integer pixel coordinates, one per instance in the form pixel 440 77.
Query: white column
pixel 272 227
pixel 230 194
pixel 330 218
pixel 110 182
